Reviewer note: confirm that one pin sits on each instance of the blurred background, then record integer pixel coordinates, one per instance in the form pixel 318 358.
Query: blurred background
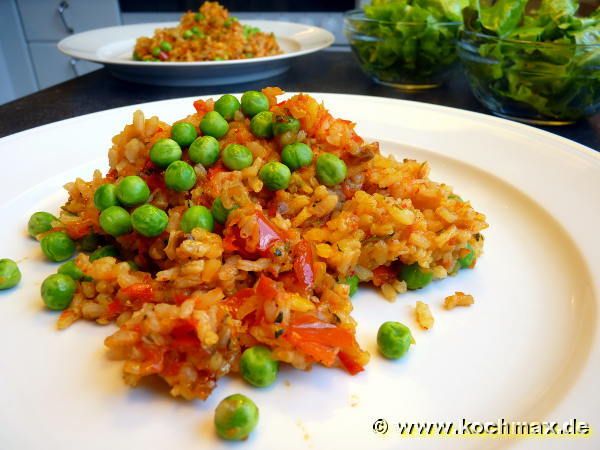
pixel 30 30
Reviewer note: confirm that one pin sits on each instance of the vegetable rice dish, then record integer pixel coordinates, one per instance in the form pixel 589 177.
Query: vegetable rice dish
pixel 210 34
pixel 247 225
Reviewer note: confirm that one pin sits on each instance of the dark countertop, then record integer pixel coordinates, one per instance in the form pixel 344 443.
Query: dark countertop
pixel 326 71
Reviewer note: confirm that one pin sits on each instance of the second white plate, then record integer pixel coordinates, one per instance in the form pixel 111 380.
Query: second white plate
pixel 113 47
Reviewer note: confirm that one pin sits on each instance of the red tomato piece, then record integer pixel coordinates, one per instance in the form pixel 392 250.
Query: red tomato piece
pixel 268 233
pixel 303 264
pixel 349 364
pixel 382 275
pixel 115 308
pixel 77 230
pixel 319 352
pixel 266 288
pixel 141 292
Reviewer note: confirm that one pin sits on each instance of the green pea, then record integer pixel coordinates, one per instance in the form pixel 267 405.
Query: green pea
pixel 106 196
pixel 183 133
pixel 180 176
pixel 195 30
pixel 198 17
pixel 132 191
pixel 136 56
pixel 164 152
pixel 204 150
pixel 197 217
pixel 213 124
pixel 261 124
pixel 227 106
pixel 331 170
pixel 283 124
pixel 40 222
pixel 103 252
pixel 219 212
pixel 228 22
pixel 258 367
pixel 72 270
pixel 352 282
pixel 254 102
pixel 467 260
pixel 393 339
pixel 166 46
pixel 275 175
pixel 10 275
pixel 296 155
pixel 133 266
pixel 187 34
pixel 88 243
pixel 237 157
pixel 456 197
pixel 115 221
pixel 149 221
pixel 415 276
pixel 235 417
pixel 57 246
pixel 58 291
pixel 156 51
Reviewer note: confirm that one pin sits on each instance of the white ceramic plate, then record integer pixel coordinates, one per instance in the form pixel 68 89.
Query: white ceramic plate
pixel 527 349
pixel 113 47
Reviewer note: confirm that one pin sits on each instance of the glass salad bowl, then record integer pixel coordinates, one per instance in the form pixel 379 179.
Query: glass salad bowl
pixel 408 55
pixel 544 83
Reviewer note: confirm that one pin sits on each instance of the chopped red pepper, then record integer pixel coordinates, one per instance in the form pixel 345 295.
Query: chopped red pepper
pixel 155 181
pixel 200 106
pixel 153 358
pixel 303 264
pixel 348 191
pixel 185 338
pixel 179 298
pixel 149 166
pixel 268 233
pixel 172 363
pixel 382 275
pixel 77 230
pixel 230 241
pixel 349 364
pixel 236 300
pixel 114 308
pixel 320 340
pixel 112 174
pixel 313 329
pixel 266 288
pixel 214 170
pixel 319 352
pixel 138 292
pixel 233 242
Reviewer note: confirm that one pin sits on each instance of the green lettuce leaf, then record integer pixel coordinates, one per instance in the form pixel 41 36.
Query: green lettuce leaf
pixel 503 16
pixel 556 9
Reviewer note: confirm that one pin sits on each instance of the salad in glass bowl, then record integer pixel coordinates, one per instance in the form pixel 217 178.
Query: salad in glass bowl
pixel 409 44
pixel 537 65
